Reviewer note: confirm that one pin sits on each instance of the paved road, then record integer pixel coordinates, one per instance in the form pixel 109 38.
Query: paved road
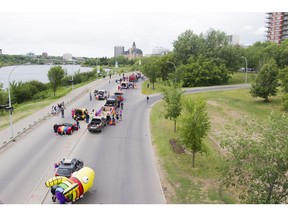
pixel 121 155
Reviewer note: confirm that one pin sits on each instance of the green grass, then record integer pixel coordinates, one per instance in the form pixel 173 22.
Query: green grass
pixel 202 183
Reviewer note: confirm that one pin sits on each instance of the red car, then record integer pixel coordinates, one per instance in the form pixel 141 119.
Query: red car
pixel 66 128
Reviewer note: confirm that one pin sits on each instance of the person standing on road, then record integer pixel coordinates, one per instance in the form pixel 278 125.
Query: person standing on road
pixel 62 111
pixel 87 116
pixel 122 104
pixel 90 95
pixel 147 99
pixel 77 123
pixel 120 114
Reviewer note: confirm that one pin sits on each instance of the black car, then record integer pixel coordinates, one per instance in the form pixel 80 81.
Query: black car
pixel 97 123
pixel 112 101
pixel 69 165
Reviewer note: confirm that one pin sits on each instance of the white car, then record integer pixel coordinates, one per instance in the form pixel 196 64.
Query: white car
pixel 101 95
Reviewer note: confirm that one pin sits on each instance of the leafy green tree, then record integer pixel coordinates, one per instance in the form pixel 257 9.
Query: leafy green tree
pixel 282 60
pixel 266 82
pixel 55 76
pixel 188 45
pixel 257 159
pixel 172 98
pixel 194 126
pixel 215 43
pixel 204 72
pixel 3 95
pixel 151 68
pixel 283 76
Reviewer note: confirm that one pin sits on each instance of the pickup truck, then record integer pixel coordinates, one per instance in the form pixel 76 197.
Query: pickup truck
pixel 101 94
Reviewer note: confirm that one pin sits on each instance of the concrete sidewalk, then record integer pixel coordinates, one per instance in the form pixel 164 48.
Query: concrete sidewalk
pixel 23 126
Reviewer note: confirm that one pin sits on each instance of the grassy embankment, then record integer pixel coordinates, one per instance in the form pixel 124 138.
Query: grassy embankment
pixel 181 182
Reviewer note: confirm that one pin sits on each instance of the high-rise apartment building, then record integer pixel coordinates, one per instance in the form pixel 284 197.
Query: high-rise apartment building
pixel 277 24
pixel 118 50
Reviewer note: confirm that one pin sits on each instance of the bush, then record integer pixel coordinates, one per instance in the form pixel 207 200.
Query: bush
pixel 285 102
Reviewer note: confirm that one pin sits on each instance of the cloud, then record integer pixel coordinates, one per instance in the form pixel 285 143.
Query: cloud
pixel 260 31
pixel 247 28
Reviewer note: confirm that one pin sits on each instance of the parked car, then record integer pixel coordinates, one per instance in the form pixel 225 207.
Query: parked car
pixel 112 102
pixel 119 95
pixel 102 95
pixel 80 113
pixel 97 124
pixel 69 165
pixel 65 128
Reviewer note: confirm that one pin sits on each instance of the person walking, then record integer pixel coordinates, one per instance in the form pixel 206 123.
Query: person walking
pixel 90 95
pixel 147 99
pixel 122 104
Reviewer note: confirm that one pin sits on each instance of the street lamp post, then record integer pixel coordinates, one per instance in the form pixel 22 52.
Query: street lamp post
pixel 175 69
pixel 245 68
pixel 10 104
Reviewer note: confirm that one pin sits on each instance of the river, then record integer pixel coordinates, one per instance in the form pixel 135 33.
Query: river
pixel 26 73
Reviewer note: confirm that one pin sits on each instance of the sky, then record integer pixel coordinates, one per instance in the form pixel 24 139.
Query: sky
pixel 92 29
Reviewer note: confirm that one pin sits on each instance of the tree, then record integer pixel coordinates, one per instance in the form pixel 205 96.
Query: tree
pixel 283 76
pixel 188 45
pixel 266 82
pixel 151 68
pixel 55 76
pixel 172 98
pixel 203 71
pixel 257 158
pixel 194 126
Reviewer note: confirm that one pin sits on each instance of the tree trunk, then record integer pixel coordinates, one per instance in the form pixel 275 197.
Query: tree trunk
pixel 153 86
pixel 266 99
pixel 175 125
pixel 193 158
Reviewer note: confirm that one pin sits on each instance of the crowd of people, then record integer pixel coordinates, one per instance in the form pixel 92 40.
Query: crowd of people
pixel 56 109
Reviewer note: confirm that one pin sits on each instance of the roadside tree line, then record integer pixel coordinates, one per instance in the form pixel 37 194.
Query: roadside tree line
pixel 34 90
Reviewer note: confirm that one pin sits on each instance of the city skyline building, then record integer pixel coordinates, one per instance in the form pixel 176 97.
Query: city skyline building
pixel 133 52
pixel 233 39
pixel 118 50
pixel 160 51
pixel 277 26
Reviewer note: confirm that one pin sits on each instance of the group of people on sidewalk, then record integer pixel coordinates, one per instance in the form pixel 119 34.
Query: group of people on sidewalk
pixel 60 107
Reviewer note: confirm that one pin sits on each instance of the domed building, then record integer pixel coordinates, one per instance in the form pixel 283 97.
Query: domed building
pixel 133 52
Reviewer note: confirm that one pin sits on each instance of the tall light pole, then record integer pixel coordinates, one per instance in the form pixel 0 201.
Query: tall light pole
pixel 10 104
pixel 245 68
pixel 175 69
